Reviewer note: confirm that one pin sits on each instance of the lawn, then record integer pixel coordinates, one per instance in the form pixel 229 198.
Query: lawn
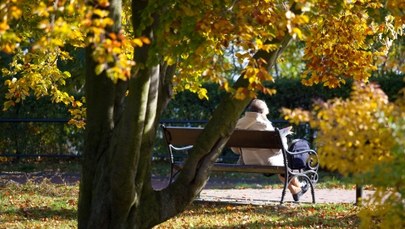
pixel 218 215
pixel 48 205
pixel 38 205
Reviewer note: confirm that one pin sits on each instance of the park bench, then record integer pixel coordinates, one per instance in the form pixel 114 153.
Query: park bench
pixel 181 139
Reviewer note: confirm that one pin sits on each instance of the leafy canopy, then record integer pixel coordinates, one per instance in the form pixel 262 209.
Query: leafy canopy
pixel 343 39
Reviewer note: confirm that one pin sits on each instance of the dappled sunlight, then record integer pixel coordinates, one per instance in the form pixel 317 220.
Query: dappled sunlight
pixel 212 215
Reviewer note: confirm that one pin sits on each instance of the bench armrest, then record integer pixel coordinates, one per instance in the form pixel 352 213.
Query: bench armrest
pixel 174 148
pixel 181 148
pixel 312 160
pixel 310 151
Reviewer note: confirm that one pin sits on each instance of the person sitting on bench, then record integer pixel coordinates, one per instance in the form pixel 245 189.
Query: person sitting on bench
pixel 255 119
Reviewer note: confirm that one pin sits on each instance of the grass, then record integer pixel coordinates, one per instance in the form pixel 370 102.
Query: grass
pixel 218 215
pixel 50 205
pixel 38 205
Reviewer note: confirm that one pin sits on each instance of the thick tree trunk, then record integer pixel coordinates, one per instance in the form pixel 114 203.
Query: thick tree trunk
pixel 94 190
pixel 117 157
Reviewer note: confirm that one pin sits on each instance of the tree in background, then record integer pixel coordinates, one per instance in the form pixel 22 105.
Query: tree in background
pixel 363 136
pixel 139 54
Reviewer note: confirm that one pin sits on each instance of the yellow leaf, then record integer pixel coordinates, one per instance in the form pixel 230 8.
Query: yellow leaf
pixel 145 40
pixel 226 86
pixel 100 68
pixel 15 12
pixel 4 26
pixel 8 104
pixel 298 32
pixel 101 13
pixel 169 60
pixel 138 42
pixel 240 93
pixel 8 48
pixel 43 24
pixel 202 93
pixel 259 43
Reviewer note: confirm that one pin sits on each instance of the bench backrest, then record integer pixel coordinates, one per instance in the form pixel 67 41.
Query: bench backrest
pixel 179 136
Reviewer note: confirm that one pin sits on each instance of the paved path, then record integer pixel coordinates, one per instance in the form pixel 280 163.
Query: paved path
pixel 214 190
pixel 273 196
pixel 262 196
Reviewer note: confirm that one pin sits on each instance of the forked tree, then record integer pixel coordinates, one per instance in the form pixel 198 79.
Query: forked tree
pixel 140 53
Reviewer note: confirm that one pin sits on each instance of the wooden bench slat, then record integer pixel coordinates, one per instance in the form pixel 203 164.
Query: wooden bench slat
pixel 239 138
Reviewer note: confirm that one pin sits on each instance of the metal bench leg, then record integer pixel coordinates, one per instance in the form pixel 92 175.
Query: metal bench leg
pixel 286 182
pixel 311 185
pixel 173 173
pixel 312 192
pixel 359 194
pixel 308 180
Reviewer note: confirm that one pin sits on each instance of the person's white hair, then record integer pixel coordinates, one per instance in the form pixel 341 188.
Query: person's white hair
pixel 258 106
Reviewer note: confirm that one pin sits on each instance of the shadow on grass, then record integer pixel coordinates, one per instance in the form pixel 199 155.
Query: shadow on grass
pixel 40 213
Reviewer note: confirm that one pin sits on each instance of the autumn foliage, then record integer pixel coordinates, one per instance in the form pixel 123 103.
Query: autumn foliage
pixel 363 136
pixel 340 38
pixel 40 44
pixel 207 41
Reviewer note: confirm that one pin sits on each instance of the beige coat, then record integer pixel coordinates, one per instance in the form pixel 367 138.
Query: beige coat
pixel 252 156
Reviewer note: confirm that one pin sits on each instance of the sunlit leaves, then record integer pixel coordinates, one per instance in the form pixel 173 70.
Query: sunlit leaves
pixel 78 113
pixel 9 11
pixel 347 41
pixel 41 77
pixel 38 46
pixel 114 54
pixel 208 41
pixel 216 28
pixel 364 136
pixel 112 50
pixel 337 51
pixel 354 134
pixel 387 204
pixel 397 7
pixel 295 22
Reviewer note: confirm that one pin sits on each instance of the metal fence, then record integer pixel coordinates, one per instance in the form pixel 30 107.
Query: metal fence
pixel 22 138
pixel 39 137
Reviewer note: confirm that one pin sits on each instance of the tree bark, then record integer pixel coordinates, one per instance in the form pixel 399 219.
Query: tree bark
pixel 94 190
